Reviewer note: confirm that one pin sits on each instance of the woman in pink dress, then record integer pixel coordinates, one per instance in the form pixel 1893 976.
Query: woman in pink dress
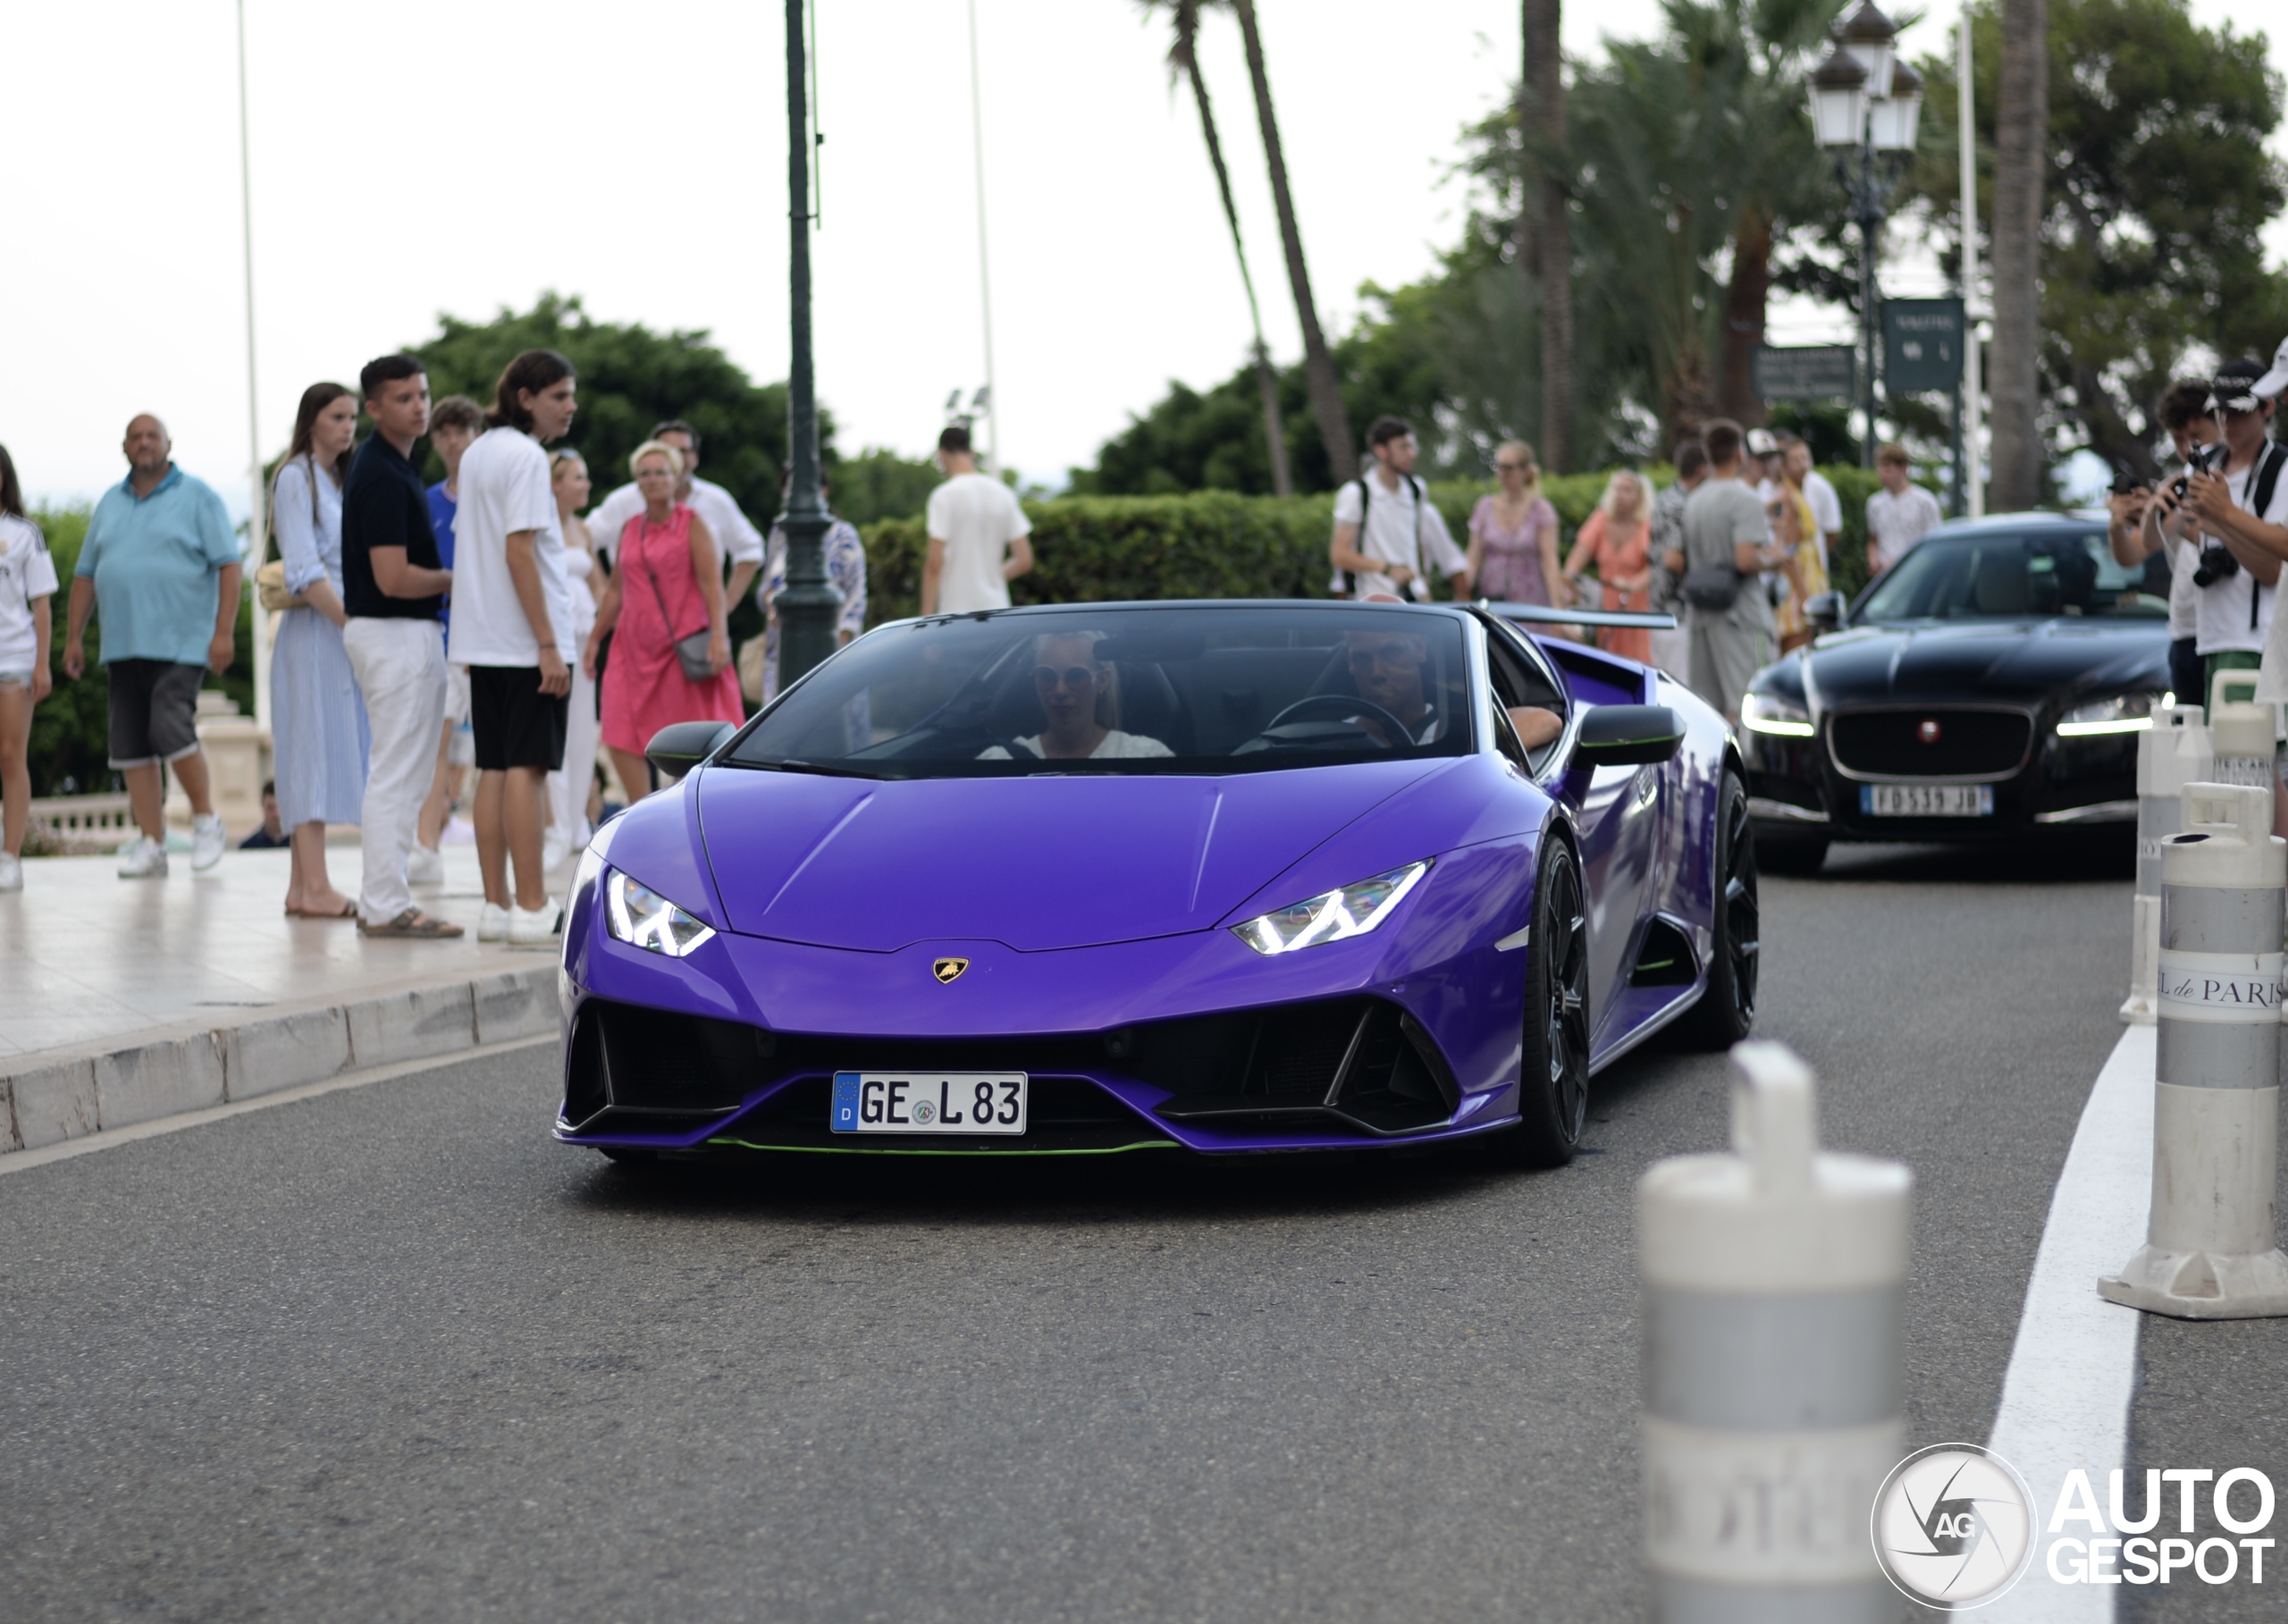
pixel 1513 533
pixel 666 585
pixel 1617 540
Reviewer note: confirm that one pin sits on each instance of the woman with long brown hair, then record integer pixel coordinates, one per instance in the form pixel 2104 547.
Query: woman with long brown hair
pixel 319 737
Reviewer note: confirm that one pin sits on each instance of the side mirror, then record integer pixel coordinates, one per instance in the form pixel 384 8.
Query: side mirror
pixel 679 746
pixel 1627 735
pixel 1825 611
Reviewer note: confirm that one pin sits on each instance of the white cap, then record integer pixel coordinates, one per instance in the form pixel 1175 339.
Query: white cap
pixel 1763 442
pixel 2276 380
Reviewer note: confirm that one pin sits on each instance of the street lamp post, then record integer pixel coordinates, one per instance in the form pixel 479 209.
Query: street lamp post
pixel 1865 103
pixel 807 608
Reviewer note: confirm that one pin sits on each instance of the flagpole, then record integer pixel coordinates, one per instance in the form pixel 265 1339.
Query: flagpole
pixel 257 527
pixel 984 276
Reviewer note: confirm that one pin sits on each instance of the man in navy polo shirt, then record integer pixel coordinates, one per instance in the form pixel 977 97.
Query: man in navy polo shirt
pixel 162 562
pixel 392 587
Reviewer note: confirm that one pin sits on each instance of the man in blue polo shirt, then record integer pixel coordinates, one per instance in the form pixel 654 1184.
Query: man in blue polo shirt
pixel 162 562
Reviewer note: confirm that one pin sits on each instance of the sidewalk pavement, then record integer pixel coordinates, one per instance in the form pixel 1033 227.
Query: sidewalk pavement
pixel 123 1000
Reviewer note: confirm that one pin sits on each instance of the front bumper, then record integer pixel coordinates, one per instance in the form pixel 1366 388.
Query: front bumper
pixel 1797 789
pixel 1190 1041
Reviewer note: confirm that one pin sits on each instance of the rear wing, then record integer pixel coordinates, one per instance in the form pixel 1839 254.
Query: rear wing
pixel 1540 614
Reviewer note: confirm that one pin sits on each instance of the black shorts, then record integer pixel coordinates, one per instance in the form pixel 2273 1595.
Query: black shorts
pixel 515 724
pixel 154 708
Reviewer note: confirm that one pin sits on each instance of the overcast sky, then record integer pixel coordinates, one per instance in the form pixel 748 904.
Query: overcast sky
pixel 426 157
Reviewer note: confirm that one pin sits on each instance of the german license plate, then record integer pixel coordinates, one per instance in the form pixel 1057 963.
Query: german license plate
pixel 1927 800
pixel 928 1102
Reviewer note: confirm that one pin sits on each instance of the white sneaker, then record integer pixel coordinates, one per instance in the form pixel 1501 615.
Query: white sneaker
pixel 554 848
pixel 493 923
pixel 424 866
pixel 536 928
pixel 143 858
pixel 207 842
pixel 11 872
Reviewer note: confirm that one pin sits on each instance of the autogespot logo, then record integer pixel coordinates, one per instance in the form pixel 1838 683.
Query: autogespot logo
pixel 1954 1526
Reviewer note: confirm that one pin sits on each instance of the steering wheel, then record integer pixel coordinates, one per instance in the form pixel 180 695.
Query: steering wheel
pixel 1401 736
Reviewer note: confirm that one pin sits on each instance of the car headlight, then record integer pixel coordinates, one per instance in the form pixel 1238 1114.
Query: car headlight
pixel 1333 917
pixel 1768 713
pixel 2122 713
pixel 643 918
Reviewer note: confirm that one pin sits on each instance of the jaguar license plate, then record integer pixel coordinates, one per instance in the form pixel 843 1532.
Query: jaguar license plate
pixel 1927 800
pixel 928 1102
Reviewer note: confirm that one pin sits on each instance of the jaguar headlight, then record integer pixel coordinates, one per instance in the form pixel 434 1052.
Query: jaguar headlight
pixel 1333 917
pixel 643 918
pixel 2122 713
pixel 1768 713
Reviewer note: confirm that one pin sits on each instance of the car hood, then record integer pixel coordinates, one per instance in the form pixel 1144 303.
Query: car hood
pixel 1035 863
pixel 2026 661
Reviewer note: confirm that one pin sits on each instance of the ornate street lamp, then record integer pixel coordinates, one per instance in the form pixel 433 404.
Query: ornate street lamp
pixel 808 606
pixel 1865 100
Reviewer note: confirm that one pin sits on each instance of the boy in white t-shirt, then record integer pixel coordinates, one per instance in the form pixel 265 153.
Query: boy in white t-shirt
pixel 512 628
pixel 980 538
pixel 27 582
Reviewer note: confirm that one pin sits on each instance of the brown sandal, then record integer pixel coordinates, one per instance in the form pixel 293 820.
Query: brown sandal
pixel 412 922
pixel 349 911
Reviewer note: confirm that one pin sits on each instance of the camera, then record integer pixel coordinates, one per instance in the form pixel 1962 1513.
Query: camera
pixel 2200 459
pixel 2215 565
pixel 2127 483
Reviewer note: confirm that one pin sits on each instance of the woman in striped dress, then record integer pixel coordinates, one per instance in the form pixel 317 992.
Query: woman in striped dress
pixel 318 732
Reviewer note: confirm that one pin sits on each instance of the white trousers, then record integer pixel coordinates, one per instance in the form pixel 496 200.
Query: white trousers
pixel 400 666
pixel 568 789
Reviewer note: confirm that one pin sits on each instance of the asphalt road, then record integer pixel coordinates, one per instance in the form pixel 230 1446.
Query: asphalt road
pixel 389 1353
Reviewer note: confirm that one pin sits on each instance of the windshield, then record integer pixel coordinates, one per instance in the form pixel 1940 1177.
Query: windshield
pixel 2004 576
pixel 1129 690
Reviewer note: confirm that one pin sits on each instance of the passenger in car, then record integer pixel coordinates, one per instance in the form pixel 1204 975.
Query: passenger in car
pixel 1074 687
pixel 1387 668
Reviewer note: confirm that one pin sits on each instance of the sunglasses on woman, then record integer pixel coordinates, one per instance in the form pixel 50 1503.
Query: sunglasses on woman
pixel 1074 676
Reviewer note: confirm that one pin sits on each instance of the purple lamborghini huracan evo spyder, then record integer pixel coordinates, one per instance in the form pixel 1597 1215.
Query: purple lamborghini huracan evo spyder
pixel 1213 877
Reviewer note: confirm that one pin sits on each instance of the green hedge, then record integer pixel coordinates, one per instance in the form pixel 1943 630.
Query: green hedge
pixel 70 749
pixel 1217 544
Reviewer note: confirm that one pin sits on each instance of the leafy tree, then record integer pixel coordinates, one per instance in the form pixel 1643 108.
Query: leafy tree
pixel 878 485
pixel 2158 184
pixel 630 378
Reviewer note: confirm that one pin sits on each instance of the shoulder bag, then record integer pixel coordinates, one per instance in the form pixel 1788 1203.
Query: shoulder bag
pixel 691 651
pixel 270 580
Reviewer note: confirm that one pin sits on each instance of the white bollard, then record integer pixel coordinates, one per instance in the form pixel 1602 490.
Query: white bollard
pixel 2171 753
pixel 2240 734
pixel 1774 1281
pixel 2210 1250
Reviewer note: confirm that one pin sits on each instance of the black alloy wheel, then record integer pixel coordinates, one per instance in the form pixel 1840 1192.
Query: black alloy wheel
pixel 1554 1078
pixel 1727 1009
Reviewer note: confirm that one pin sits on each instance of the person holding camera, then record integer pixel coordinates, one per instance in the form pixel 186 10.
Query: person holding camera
pixel 2234 498
pixel 2134 532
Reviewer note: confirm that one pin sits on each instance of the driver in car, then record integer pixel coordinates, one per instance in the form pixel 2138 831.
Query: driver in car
pixel 1070 682
pixel 1387 667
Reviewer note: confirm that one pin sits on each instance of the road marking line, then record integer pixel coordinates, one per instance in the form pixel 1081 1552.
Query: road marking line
pixel 22 1161
pixel 2074 1369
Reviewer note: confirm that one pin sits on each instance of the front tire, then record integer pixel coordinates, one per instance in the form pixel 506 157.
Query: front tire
pixel 1553 1075
pixel 1727 1008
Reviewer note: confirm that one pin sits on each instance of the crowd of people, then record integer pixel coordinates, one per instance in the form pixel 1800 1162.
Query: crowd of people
pixel 421 632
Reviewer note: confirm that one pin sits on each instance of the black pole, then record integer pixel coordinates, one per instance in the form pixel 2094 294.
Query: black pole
pixel 1955 495
pixel 807 608
pixel 1871 221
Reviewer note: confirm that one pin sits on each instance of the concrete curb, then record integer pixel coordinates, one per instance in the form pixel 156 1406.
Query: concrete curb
pixel 68 1094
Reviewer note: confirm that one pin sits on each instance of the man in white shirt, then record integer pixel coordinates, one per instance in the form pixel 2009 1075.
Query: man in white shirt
pixel 980 538
pixel 1900 514
pixel 512 628
pixel 740 541
pixel 1384 521
pixel 2185 415
pixel 2240 516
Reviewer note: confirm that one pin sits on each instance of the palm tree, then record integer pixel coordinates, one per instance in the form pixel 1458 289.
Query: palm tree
pixel 1318 362
pixel 1545 229
pixel 2020 137
pixel 1183 58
